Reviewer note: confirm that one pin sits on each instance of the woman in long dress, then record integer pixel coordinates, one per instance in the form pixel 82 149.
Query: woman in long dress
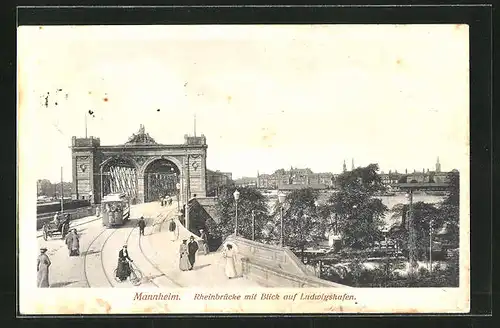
pixel 43 269
pixel 174 232
pixel 204 247
pixel 184 264
pixel 230 255
pixel 73 243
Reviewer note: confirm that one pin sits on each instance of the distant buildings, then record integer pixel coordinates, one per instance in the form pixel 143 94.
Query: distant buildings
pixel 295 178
pixel 424 176
pixel 215 179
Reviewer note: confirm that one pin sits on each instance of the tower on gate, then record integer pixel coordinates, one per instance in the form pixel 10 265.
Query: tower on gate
pixel 141 167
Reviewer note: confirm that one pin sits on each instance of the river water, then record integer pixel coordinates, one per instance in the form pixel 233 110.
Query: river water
pixel 389 201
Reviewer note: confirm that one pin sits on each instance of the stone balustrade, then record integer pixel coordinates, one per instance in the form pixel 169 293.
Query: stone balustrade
pixel 275 266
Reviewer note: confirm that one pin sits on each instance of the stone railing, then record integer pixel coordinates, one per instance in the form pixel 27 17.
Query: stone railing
pixel 274 266
pixel 270 277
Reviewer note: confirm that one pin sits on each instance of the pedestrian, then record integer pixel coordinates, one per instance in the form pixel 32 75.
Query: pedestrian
pixel 123 268
pixel 56 220
pixel 169 201
pixel 142 225
pixel 204 248
pixel 184 264
pixel 192 249
pixel 172 227
pixel 229 255
pixel 73 243
pixel 43 269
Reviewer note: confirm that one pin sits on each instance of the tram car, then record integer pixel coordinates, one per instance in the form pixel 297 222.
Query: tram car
pixel 115 210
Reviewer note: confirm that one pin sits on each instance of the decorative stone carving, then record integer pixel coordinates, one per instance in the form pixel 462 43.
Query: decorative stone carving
pixel 141 159
pixel 141 138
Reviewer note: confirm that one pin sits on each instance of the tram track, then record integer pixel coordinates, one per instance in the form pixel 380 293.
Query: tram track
pixel 159 221
pixel 105 235
pixel 88 252
pixel 112 232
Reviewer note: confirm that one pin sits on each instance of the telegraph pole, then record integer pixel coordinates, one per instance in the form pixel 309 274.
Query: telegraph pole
pixel 412 251
pixel 62 191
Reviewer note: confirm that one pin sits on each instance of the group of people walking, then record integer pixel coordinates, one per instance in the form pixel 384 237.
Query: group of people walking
pixel 167 200
pixel 187 255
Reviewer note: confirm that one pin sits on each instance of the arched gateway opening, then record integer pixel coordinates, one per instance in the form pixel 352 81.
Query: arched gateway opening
pixel 119 175
pixel 160 179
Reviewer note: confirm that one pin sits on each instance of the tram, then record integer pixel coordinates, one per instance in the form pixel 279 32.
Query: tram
pixel 115 210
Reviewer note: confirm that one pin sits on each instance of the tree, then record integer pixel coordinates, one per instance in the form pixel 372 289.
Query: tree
pixel 301 223
pixel 250 199
pixel 357 212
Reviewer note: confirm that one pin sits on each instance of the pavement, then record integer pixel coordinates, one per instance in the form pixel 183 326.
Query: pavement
pixel 156 254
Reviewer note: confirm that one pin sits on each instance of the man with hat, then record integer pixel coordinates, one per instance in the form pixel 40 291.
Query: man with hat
pixel 43 269
pixel 192 249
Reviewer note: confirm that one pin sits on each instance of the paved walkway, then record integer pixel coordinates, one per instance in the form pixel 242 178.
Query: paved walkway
pixel 162 249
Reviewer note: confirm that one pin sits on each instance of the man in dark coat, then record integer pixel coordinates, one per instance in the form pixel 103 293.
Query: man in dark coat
pixel 192 249
pixel 142 225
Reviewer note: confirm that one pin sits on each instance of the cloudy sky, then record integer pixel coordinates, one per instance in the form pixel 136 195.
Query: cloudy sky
pixel 266 97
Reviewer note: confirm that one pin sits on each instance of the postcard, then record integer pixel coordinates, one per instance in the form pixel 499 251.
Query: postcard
pixel 243 169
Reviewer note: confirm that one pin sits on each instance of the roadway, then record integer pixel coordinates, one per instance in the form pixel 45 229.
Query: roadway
pixel 155 254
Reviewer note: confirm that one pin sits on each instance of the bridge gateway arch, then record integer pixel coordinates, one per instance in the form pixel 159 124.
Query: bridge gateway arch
pixel 141 168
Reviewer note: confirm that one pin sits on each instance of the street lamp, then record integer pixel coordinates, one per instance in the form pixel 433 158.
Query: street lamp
pixel 236 197
pixel 281 199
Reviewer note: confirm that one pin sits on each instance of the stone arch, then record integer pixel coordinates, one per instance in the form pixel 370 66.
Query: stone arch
pixel 142 173
pixel 118 157
pixel 133 193
pixel 149 161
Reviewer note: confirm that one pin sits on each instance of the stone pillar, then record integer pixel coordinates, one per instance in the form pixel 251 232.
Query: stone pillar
pixel 203 173
pixel 140 188
pixel 92 188
pixel 74 187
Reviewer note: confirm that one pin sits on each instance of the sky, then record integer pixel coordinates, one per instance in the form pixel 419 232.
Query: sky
pixel 265 97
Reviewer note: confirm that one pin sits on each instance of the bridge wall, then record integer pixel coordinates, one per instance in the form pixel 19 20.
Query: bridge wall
pixel 275 266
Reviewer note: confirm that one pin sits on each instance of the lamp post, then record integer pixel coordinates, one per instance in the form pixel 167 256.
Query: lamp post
pixel 281 199
pixel 236 197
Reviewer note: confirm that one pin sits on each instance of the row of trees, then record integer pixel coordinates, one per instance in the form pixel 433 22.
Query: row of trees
pixel 49 189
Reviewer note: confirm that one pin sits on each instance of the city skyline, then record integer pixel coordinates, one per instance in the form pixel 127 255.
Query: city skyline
pixel 301 96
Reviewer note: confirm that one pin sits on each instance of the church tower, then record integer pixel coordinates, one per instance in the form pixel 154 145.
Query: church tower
pixel 344 167
pixel 352 165
pixel 438 166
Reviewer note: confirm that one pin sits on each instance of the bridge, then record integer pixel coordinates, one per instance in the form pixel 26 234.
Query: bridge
pixel 141 167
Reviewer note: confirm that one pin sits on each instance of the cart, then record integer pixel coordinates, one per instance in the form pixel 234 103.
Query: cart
pixel 50 230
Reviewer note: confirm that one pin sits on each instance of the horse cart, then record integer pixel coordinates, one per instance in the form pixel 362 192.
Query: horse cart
pixel 51 230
